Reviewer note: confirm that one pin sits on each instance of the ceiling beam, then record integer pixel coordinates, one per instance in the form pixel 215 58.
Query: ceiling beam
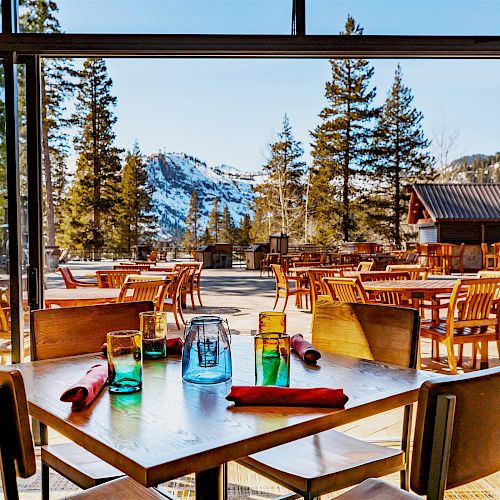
pixel 250 46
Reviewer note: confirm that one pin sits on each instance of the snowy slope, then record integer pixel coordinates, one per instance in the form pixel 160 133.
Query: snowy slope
pixel 176 175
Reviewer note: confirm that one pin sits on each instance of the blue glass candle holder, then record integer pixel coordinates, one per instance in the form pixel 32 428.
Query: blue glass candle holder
pixel 124 351
pixel 272 359
pixel 206 356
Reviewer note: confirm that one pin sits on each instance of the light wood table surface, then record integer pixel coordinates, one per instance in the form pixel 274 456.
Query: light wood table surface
pixel 70 297
pixel 413 289
pixel 172 428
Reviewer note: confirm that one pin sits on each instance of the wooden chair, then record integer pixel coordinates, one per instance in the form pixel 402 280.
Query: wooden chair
pixel 496 253
pixel 153 256
pixel 71 331
pixel 18 453
pixel 172 302
pixel 154 290
pixel 330 460
pixel 415 272
pixel 468 320
pixel 197 282
pixel 318 289
pixel 450 449
pixel 365 266
pixel 113 278
pixel 487 256
pixel 70 281
pixel 391 298
pixel 283 288
pixel 451 265
pixel 188 285
pixel 346 290
pixel 265 263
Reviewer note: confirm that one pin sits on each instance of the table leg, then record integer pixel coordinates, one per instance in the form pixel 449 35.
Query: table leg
pixel 211 484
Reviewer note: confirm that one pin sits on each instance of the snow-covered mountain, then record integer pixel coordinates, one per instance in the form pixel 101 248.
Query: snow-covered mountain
pixel 176 175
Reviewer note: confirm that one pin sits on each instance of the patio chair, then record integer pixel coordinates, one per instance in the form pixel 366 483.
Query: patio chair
pixel 70 281
pixel 154 290
pixel 188 285
pixel 70 331
pixel 487 256
pixel 346 290
pixel 450 449
pixel 319 290
pixel 18 455
pixel 330 460
pixel 469 319
pixel 265 263
pixel 365 266
pixel 173 298
pixel 415 272
pixel 113 278
pixel 283 288
pixel 391 298
pixel 197 282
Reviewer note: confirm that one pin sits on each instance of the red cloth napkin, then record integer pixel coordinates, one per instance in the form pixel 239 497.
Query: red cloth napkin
pixel 305 349
pixel 286 396
pixel 174 346
pixel 87 388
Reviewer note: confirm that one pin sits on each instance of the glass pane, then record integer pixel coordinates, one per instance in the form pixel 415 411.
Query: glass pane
pixel 174 16
pixel 405 17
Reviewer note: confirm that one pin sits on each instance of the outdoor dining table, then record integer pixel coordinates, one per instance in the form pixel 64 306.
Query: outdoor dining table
pixel 172 428
pixel 70 297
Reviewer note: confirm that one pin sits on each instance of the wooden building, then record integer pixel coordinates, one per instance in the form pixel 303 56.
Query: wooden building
pixel 457 213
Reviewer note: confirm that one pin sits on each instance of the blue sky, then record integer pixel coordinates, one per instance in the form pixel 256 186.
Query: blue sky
pixel 227 111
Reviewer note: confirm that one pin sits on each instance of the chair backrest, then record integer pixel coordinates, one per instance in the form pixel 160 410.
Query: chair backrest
pixel 382 333
pixel 457 436
pixel 113 278
pixel 154 290
pixel 384 275
pixel 415 272
pixel 174 290
pixel 16 441
pixel 346 290
pixel 365 265
pixel 484 248
pixel 475 308
pixel 68 331
pixel 67 275
pixel 279 275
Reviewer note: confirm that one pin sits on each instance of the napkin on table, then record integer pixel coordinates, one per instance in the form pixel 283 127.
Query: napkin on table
pixel 287 396
pixel 305 349
pixel 87 388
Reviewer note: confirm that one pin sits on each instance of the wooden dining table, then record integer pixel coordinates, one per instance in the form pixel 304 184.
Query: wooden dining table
pixel 172 428
pixel 70 297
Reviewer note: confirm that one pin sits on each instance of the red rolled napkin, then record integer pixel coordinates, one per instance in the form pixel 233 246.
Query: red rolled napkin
pixel 305 349
pixel 87 388
pixel 286 396
pixel 174 346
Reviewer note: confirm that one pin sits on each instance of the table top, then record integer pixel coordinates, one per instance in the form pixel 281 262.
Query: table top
pixel 172 428
pixel 438 286
pixel 81 293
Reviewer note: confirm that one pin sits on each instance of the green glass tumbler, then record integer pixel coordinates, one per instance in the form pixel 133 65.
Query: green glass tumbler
pixel 272 321
pixel 154 334
pixel 272 359
pixel 124 361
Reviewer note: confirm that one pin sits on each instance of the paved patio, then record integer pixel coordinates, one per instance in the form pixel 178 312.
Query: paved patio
pixel 238 295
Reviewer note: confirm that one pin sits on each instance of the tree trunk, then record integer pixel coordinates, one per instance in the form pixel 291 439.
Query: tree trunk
pixel 306 215
pixel 347 159
pixel 96 172
pixel 47 172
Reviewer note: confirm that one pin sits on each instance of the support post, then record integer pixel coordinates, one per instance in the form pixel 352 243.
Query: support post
pixel 299 17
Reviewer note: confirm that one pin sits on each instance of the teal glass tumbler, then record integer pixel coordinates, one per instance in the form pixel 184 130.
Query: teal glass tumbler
pixel 154 334
pixel 124 349
pixel 272 359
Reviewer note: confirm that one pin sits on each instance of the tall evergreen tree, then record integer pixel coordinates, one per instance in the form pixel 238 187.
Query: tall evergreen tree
pixel 57 86
pixel 244 231
pixel 137 222
pixel 402 157
pixel 214 223
pixel 282 193
pixel 192 223
pixel 227 227
pixel 341 142
pixel 94 197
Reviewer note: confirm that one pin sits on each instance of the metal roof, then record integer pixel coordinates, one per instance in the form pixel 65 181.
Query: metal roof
pixel 460 201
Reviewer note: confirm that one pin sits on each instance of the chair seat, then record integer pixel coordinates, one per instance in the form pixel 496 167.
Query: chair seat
pixel 119 488
pixel 78 465
pixel 376 489
pixel 325 462
pixel 438 331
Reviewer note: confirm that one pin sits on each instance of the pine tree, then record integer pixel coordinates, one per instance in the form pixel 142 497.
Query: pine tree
pixel 227 227
pixel 282 193
pixel 402 157
pixel 94 197
pixel 341 142
pixel 244 231
pixel 214 223
pixel 137 222
pixel 192 223
pixel 38 16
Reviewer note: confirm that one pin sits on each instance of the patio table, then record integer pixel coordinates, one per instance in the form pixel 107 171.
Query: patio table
pixel 70 297
pixel 172 428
